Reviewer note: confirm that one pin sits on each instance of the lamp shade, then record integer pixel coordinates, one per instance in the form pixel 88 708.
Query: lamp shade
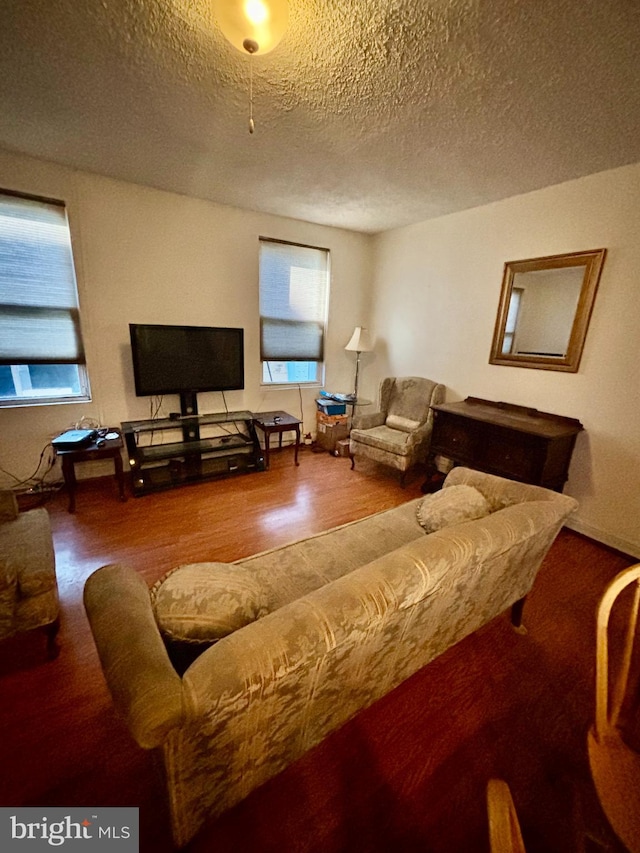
pixel 252 26
pixel 360 341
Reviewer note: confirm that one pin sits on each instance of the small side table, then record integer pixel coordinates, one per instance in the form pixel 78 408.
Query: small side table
pixel 278 422
pixel 360 401
pixel 111 449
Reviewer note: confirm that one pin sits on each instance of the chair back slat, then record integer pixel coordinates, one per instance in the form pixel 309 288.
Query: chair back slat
pixel 608 711
pixel 504 828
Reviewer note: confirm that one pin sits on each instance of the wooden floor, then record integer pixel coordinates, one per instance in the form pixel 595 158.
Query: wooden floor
pixel 408 774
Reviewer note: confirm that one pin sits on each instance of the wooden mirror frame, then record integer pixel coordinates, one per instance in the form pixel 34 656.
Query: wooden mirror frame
pixel 592 262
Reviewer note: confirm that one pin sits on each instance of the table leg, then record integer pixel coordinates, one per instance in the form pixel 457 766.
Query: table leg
pixel 266 449
pixel 297 445
pixel 69 475
pixel 117 459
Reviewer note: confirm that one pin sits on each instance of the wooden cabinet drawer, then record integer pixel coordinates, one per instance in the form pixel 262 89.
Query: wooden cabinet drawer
pixel 514 458
pixel 452 437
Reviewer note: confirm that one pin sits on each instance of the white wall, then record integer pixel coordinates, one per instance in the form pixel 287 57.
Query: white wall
pixel 428 292
pixel 143 255
pixel 437 286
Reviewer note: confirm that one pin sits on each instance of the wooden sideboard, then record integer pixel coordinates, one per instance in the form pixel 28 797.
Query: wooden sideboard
pixel 511 441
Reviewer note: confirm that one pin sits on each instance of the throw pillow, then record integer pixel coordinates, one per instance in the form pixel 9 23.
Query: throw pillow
pixel 202 602
pixel 451 505
pixel 403 424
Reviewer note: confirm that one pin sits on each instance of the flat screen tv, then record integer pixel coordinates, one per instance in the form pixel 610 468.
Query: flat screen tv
pixel 186 359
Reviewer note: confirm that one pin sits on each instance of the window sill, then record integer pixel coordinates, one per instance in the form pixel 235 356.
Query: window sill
pixel 289 386
pixel 42 401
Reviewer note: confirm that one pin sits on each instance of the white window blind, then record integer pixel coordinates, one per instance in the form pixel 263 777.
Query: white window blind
pixel 39 318
pixel 294 289
pixel 41 353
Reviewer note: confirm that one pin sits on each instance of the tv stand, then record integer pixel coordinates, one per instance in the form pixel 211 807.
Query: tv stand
pixel 232 447
pixel 188 403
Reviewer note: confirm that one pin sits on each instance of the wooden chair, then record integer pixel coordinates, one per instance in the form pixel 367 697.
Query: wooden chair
pixel 504 828
pixel 615 766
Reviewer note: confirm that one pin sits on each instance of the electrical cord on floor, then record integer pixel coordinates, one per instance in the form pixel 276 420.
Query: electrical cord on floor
pixel 301 409
pixel 36 482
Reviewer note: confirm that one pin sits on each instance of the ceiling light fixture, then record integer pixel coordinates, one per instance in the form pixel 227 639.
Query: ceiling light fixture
pixel 252 26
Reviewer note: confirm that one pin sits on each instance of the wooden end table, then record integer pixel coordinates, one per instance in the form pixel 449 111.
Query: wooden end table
pixel 277 422
pixel 110 449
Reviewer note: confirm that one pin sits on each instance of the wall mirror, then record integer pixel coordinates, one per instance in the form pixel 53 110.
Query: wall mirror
pixel 544 311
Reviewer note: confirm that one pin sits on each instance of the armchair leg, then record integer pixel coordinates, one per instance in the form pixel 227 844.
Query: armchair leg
pixel 434 478
pixel 353 460
pixel 51 633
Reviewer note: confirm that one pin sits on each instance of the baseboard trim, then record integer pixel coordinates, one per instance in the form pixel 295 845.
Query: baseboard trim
pixel 631 549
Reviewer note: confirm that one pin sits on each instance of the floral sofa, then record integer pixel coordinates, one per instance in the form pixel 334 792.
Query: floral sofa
pixel 291 643
pixel 28 584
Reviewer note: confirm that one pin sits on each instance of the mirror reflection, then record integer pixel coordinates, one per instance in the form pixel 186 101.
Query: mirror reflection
pixel 544 310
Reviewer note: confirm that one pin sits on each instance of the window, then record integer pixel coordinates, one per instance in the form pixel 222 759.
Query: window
pixel 41 353
pixel 294 297
pixel 512 321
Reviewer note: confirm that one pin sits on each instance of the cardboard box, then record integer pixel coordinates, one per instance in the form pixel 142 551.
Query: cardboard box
pixel 342 447
pixel 328 435
pixel 321 418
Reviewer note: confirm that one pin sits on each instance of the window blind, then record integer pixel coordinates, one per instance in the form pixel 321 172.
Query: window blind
pixel 39 317
pixel 294 288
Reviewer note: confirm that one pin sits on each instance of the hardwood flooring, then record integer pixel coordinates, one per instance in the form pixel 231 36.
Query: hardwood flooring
pixel 408 774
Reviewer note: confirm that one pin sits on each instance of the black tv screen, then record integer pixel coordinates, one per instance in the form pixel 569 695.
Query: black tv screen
pixel 177 359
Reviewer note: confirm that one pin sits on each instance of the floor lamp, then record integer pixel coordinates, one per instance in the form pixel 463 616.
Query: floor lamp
pixel 359 342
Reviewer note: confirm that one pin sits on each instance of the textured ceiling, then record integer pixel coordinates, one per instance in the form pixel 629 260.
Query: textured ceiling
pixel 370 114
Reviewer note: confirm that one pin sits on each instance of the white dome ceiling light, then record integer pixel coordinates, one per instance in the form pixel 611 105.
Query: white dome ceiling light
pixel 252 26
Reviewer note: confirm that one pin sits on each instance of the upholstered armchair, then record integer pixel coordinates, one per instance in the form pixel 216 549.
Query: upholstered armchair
pixel 399 433
pixel 28 585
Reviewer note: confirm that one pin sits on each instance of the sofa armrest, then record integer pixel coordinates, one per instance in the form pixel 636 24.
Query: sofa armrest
pixel 8 505
pixel 368 421
pixel 420 436
pixel 501 492
pixel 146 689
pixel 27 543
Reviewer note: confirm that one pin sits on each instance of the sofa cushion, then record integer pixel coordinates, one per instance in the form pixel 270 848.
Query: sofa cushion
pixel 384 438
pixel 287 572
pixel 451 505
pixel 202 602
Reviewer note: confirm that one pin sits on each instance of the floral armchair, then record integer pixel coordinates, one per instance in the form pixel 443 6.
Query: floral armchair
pixel 28 585
pixel 399 433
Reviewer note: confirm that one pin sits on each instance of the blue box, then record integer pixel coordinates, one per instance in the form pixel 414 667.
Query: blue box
pixel 330 407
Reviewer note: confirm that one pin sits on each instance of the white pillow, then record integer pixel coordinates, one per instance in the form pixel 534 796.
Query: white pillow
pixel 403 424
pixel 451 505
